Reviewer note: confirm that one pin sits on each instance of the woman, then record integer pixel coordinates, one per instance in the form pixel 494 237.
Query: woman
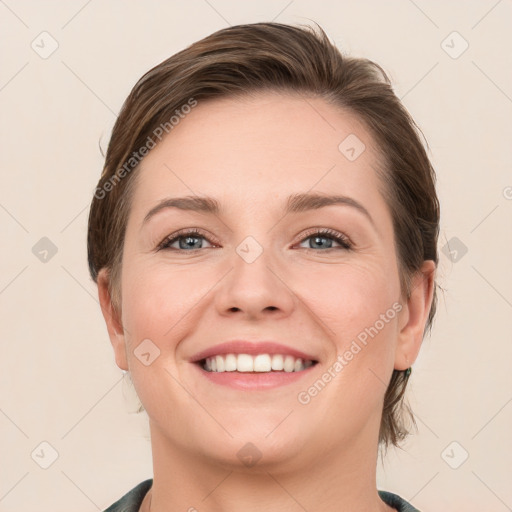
pixel 263 237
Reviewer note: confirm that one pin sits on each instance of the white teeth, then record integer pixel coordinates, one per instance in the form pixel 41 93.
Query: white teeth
pixel 244 363
pixel 277 362
pixel 261 363
pixel 220 363
pixel 230 363
pixel 289 365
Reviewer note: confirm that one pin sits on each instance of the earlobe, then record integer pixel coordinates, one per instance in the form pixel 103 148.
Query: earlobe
pixel 414 316
pixel 112 320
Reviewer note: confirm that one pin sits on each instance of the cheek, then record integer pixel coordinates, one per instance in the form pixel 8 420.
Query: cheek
pixel 360 308
pixel 157 306
pixel 350 298
pixel 159 300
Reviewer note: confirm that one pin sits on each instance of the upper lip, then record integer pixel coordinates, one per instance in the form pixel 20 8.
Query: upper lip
pixel 251 348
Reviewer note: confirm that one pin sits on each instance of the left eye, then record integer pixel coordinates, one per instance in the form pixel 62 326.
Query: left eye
pixel 323 240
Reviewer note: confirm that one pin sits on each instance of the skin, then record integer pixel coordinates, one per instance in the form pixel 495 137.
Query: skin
pixel 250 154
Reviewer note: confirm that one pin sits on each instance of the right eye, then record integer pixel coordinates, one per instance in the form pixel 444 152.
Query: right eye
pixel 187 240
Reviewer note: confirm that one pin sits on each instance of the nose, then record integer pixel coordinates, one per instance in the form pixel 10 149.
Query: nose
pixel 255 288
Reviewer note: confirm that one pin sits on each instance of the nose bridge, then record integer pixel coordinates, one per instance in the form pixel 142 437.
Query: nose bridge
pixel 253 285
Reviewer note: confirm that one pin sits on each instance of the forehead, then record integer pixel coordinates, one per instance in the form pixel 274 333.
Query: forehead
pixel 260 147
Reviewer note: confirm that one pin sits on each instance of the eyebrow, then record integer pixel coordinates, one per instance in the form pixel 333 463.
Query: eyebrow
pixel 296 203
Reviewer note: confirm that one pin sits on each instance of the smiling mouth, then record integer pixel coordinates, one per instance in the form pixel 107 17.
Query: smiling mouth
pixel 261 363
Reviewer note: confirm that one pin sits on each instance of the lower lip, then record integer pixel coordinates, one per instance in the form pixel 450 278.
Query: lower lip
pixel 254 381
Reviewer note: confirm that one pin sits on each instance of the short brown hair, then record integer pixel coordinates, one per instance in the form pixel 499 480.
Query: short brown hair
pixel 271 56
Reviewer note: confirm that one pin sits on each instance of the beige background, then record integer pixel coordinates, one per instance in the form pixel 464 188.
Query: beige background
pixel 59 381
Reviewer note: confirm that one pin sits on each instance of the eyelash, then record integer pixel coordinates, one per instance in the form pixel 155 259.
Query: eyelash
pixel 343 240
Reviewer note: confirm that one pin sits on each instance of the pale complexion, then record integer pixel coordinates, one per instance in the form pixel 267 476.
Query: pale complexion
pixel 250 155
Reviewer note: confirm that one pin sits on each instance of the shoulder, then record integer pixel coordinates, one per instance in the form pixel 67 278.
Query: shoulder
pixel 393 500
pixel 132 500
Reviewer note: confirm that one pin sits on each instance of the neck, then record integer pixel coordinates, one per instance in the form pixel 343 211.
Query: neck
pixel 341 480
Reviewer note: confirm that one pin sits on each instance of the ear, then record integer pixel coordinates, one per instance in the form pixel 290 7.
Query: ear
pixel 112 319
pixel 414 316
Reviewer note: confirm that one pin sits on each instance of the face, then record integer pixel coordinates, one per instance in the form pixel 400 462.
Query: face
pixel 281 275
